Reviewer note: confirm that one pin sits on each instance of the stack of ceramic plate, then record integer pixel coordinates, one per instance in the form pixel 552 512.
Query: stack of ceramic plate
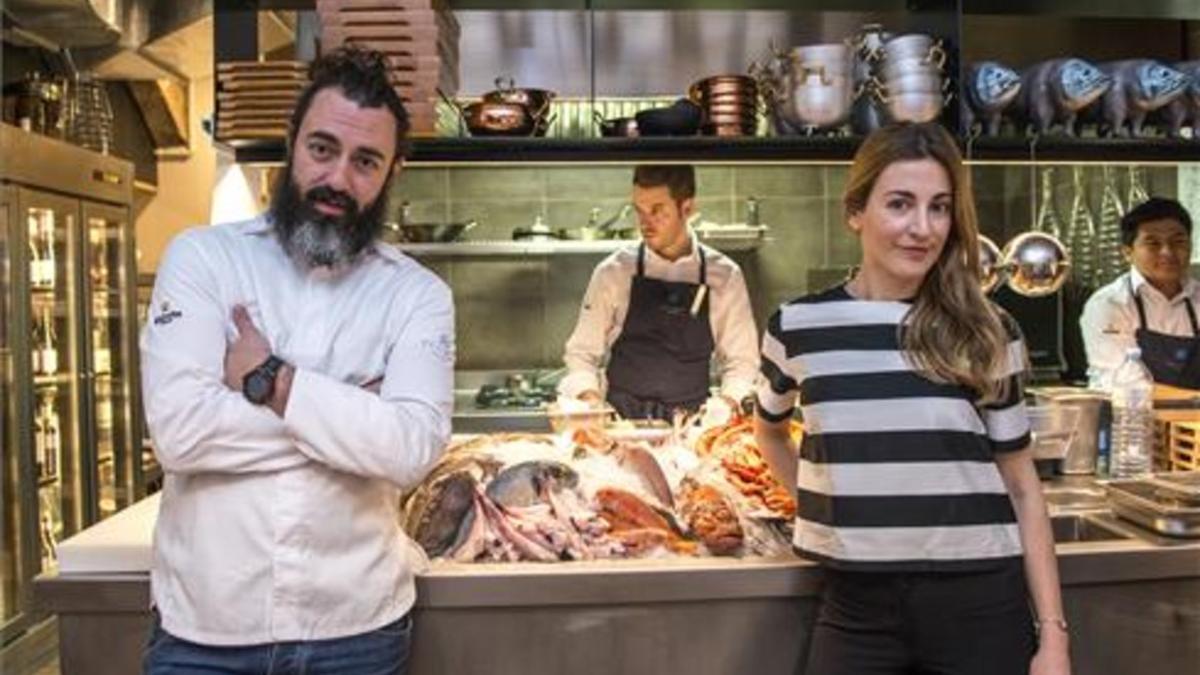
pixel 255 99
pixel 419 38
pixel 729 103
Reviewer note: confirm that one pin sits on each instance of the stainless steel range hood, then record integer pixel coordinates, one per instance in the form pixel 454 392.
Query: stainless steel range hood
pixel 157 48
pixel 69 23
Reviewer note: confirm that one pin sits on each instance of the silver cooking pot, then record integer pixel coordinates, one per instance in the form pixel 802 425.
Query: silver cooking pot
pixel 914 106
pixel 933 83
pixel 915 45
pixel 831 53
pixel 890 68
pixel 817 99
pixel 1037 264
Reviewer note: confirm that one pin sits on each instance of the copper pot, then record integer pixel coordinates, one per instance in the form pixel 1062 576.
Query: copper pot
pixel 731 109
pixel 491 118
pixel 730 119
pixel 537 101
pixel 744 98
pixel 717 85
pixel 728 129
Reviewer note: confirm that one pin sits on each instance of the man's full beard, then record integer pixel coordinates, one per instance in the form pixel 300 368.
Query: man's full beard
pixel 315 239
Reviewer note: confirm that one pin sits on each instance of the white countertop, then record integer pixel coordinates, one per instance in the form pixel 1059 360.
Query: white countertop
pixel 122 543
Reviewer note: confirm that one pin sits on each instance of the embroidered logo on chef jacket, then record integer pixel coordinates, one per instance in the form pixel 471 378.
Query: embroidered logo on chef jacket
pixel 167 314
pixel 442 347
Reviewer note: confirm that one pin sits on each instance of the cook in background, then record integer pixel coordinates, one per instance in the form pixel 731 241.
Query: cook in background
pixel 916 487
pixel 657 312
pixel 297 374
pixel 1153 305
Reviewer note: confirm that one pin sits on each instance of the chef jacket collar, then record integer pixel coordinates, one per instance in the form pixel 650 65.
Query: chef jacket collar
pixel 1137 280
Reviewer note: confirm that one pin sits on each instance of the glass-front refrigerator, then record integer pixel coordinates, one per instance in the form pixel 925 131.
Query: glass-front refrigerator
pixel 12 550
pixel 71 410
pixel 110 269
pixel 58 365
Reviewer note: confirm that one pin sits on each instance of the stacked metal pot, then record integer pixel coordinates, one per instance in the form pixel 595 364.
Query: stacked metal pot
pixel 909 78
pixel 869 80
pixel 728 103
pixel 811 87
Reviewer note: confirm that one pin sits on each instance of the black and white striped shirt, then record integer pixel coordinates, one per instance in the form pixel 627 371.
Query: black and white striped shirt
pixel 896 471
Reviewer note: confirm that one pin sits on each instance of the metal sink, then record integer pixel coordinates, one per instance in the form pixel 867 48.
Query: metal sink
pixel 1075 499
pixel 1079 527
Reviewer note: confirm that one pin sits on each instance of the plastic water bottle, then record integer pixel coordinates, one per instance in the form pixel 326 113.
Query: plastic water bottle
pixel 1133 417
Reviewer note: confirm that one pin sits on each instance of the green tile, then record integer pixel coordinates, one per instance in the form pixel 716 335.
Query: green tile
pixel 499 312
pixel 777 271
pixel 841 245
pixel 433 211
pixel 988 180
pixel 496 183
pixel 497 218
pixel 420 183
pixel 567 280
pixel 574 214
pixel 715 209
pixel 601 182
pixel 713 181
pixel 1162 181
pixel 780 181
pixel 835 181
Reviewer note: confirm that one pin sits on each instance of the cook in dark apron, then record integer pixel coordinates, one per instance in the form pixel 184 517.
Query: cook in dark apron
pixel 1172 359
pixel 660 361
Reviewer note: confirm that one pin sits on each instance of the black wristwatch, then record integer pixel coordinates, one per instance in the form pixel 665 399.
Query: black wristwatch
pixel 259 384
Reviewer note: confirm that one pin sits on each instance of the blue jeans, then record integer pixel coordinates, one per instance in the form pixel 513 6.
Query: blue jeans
pixel 379 652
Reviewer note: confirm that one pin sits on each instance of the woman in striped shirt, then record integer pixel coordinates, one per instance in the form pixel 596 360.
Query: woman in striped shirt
pixel 916 488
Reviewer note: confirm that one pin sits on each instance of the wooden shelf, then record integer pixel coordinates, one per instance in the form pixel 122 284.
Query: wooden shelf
pixel 470 249
pixel 787 149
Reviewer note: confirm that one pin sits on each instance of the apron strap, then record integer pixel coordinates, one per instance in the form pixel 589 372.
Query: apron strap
pixel 1137 301
pixel 704 270
pixel 1141 309
pixel 641 261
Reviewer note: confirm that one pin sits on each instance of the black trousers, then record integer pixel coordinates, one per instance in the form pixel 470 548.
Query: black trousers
pixel 976 623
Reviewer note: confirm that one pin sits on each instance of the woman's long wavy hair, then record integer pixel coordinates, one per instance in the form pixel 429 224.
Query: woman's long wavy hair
pixel 952 333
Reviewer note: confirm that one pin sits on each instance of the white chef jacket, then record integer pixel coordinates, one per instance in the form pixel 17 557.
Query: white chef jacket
pixel 287 529
pixel 606 302
pixel 1110 319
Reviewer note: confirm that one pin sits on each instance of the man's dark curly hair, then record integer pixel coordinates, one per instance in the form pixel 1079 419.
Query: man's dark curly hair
pixel 362 75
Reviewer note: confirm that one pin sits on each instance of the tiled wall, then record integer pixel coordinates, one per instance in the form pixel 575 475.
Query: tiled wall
pixel 516 312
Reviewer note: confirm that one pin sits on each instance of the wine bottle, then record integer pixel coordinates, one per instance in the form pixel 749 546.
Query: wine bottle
pixel 39 443
pixel 41 248
pixel 102 355
pixel 53 439
pixel 45 358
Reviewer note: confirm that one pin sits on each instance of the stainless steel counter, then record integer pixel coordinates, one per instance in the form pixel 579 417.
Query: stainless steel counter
pixel 471 419
pixel 1133 602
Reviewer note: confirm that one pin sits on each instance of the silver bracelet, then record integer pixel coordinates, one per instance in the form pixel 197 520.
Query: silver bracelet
pixel 1059 622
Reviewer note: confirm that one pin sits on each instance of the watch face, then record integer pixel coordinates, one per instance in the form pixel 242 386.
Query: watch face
pixel 257 387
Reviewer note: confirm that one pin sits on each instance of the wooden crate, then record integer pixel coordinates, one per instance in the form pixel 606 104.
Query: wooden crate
pixel 1182 452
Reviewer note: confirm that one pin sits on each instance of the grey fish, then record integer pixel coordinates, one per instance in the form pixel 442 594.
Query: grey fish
pixel 522 484
pixel 439 522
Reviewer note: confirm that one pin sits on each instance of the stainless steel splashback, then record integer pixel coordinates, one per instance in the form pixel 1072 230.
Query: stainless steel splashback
pixel 635 53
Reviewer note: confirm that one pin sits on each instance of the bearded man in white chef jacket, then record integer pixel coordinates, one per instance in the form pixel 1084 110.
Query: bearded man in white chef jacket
pixel 297 374
pixel 658 313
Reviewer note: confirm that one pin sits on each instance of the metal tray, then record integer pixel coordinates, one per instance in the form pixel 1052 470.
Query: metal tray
pixel 1143 502
pixel 1180 485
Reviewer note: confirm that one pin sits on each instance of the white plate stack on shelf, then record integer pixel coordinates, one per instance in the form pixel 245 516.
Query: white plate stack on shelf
pixel 255 98
pixel 419 39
